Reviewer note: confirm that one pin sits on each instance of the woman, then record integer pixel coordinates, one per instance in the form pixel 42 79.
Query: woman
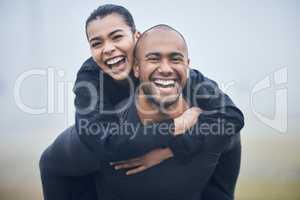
pixel 112 35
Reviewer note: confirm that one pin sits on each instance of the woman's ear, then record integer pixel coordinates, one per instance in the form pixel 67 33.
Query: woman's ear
pixel 137 35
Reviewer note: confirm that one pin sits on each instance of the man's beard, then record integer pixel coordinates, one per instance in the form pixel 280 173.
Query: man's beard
pixel 149 92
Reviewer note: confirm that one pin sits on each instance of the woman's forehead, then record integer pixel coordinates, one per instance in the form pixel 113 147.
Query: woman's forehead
pixel 102 27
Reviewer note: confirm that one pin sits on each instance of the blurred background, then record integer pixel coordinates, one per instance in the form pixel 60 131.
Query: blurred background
pixel 251 48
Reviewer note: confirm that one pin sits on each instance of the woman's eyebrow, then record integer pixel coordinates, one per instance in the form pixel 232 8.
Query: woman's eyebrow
pixel 97 38
pixel 115 31
pixel 110 34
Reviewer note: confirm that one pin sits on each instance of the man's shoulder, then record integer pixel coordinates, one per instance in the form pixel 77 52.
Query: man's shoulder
pixel 195 74
pixel 196 77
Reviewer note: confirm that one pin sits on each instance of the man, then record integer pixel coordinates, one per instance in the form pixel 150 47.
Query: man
pixel 162 67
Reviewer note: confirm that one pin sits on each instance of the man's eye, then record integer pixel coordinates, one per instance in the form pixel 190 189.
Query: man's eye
pixel 153 59
pixel 176 60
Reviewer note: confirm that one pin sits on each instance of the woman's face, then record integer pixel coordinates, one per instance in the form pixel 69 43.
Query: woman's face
pixel 112 42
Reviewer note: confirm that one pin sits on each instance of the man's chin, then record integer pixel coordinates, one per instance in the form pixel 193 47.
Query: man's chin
pixel 165 103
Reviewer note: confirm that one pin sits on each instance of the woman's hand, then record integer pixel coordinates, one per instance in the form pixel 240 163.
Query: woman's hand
pixel 144 162
pixel 187 120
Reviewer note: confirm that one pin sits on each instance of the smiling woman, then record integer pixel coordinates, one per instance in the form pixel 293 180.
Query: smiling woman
pixel 112 42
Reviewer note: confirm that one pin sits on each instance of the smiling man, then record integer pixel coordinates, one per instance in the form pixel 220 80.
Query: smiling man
pixel 162 67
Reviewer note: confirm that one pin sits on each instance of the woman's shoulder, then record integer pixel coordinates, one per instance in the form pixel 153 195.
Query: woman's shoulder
pixel 90 71
pixel 89 66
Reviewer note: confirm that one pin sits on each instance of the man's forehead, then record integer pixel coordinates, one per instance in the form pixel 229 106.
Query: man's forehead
pixel 163 35
pixel 163 39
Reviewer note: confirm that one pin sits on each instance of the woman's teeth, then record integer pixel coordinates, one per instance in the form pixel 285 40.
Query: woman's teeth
pixel 114 60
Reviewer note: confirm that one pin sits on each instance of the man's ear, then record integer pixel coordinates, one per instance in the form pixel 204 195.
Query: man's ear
pixel 136 69
pixel 188 62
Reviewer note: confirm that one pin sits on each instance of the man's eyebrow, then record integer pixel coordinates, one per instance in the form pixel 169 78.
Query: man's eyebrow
pixel 152 54
pixel 173 54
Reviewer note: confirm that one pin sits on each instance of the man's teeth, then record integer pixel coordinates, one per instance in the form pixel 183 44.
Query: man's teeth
pixel 165 82
pixel 114 60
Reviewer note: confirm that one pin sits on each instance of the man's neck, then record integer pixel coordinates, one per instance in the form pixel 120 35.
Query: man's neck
pixel 150 112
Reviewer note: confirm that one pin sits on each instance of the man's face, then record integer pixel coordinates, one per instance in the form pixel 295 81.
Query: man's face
pixel 161 66
pixel 112 42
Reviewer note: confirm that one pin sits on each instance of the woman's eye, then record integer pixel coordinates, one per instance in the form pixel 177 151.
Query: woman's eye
pixel 96 44
pixel 117 37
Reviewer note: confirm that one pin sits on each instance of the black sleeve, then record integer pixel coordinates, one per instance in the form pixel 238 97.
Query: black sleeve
pixel 222 184
pixel 92 97
pixel 92 125
pixel 131 144
pixel 220 120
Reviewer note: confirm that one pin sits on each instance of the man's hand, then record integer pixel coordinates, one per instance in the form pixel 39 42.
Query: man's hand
pixel 144 162
pixel 187 120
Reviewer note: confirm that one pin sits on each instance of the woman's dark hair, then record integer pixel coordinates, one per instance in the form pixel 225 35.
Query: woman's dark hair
pixel 107 9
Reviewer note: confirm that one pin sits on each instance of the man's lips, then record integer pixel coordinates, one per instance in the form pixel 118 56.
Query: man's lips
pixel 164 83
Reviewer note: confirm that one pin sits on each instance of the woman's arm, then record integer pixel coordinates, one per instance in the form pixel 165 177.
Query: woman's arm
pixel 219 120
pixel 215 127
pixel 96 92
pixel 204 93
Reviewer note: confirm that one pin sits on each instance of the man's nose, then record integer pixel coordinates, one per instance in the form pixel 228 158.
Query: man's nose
pixel 165 67
pixel 108 48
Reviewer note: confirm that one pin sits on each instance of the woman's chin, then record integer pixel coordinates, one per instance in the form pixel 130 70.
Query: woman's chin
pixel 120 76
